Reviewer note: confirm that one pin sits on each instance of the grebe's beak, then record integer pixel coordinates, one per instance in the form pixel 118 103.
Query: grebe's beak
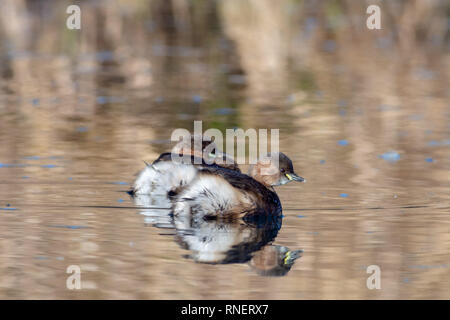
pixel 294 177
pixel 291 256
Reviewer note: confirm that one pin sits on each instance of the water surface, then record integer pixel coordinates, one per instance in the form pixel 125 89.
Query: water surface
pixel 366 122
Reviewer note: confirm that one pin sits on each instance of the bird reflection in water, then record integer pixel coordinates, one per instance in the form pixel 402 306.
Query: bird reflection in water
pixel 218 241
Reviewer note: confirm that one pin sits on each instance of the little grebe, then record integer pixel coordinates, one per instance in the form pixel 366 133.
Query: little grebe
pixel 209 190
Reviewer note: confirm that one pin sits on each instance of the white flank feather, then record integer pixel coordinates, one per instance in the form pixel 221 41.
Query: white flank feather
pixel 207 195
pixel 162 177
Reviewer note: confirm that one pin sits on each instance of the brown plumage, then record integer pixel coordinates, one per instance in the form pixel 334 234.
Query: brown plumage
pixel 204 148
pixel 201 187
pixel 220 192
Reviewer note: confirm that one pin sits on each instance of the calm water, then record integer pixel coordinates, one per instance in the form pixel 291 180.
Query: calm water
pixel 368 131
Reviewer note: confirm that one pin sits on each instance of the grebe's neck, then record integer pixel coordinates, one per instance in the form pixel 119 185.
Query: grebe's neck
pixel 255 172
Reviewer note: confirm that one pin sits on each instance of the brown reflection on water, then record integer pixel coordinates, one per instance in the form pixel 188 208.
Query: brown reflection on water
pixel 363 114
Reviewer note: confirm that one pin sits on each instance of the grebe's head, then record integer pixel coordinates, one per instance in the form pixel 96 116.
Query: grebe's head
pixel 273 260
pixel 274 170
pixel 203 147
pixel 195 145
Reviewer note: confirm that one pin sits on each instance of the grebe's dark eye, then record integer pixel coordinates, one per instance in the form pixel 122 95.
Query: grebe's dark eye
pixel 283 171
